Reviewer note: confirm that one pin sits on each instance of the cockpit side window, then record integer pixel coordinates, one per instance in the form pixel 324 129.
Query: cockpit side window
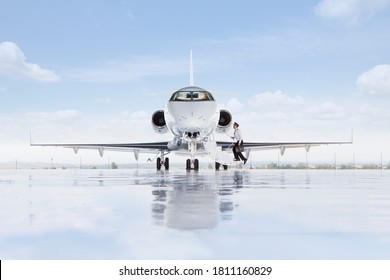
pixel 181 96
pixel 201 96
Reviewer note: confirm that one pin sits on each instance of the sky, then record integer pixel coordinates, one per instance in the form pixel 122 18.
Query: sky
pixel 95 71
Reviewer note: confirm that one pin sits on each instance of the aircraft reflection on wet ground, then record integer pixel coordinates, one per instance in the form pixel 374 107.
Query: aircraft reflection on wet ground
pixel 193 201
pixel 201 200
pixel 234 214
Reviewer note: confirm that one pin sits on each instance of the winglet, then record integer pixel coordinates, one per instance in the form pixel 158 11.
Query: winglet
pixel 191 70
pixel 352 135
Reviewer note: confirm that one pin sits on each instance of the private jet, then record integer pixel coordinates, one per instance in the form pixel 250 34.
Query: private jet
pixel 193 117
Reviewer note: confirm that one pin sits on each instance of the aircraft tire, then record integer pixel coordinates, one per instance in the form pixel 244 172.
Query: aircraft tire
pixel 166 163
pixel 225 167
pixel 158 163
pixel 196 164
pixel 217 165
pixel 188 164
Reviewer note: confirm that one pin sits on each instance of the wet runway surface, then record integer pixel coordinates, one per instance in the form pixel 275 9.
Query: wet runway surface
pixel 234 214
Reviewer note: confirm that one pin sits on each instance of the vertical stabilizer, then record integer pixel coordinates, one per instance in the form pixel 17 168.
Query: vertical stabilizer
pixel 191 70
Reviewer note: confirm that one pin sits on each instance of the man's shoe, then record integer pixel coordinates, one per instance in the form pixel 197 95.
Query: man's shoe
pixel 245 161
pixel 236 159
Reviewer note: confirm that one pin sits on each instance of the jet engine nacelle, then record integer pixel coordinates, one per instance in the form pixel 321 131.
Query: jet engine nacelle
pixel 224 122
pixel 158 121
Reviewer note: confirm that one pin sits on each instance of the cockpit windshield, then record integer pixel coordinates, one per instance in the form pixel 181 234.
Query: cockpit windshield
pixel 191 94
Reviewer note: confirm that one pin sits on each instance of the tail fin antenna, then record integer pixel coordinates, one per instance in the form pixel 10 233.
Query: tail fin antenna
pixel 191 70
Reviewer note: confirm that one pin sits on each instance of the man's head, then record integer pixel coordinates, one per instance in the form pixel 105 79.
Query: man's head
pixel 235 125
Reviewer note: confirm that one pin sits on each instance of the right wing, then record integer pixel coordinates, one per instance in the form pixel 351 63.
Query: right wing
pixel 257 146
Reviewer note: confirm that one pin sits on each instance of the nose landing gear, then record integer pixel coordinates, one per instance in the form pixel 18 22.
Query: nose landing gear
pixel 192 164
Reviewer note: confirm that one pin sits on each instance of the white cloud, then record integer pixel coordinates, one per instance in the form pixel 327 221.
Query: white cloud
pixel 14 63
pixel 132 118
pixel 375 81
pixel 350 11
pixel 281 116
pixel 325 110
pixel 62 115
pixel 234 106
pixel 273 116
pixel 140 115
pixel 129 69
pixel 277 98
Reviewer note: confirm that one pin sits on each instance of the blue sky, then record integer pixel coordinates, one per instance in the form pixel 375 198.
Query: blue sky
pixel 81 70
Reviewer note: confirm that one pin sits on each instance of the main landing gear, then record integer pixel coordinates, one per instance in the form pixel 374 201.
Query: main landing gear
pixel 217 165
pixel 192 164
pixel 162 162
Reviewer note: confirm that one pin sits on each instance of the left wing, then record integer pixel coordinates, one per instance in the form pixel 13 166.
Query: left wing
pixel 151 147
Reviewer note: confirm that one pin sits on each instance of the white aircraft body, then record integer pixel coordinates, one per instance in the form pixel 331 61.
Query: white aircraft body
pixel 193 117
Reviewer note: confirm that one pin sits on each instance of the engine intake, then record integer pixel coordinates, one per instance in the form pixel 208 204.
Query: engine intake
pixel 159 123
pixel 224 122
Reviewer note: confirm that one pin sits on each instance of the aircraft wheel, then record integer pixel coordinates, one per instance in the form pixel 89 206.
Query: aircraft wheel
pixel 188 164
pixel 196 164
pixel 166 163
pixel 158 163
pixel 217 165
pixel 225 167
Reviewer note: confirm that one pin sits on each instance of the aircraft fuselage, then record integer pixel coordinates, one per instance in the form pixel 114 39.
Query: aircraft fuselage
pixel 192 112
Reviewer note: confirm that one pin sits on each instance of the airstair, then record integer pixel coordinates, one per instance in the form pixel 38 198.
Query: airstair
pixel 217 154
